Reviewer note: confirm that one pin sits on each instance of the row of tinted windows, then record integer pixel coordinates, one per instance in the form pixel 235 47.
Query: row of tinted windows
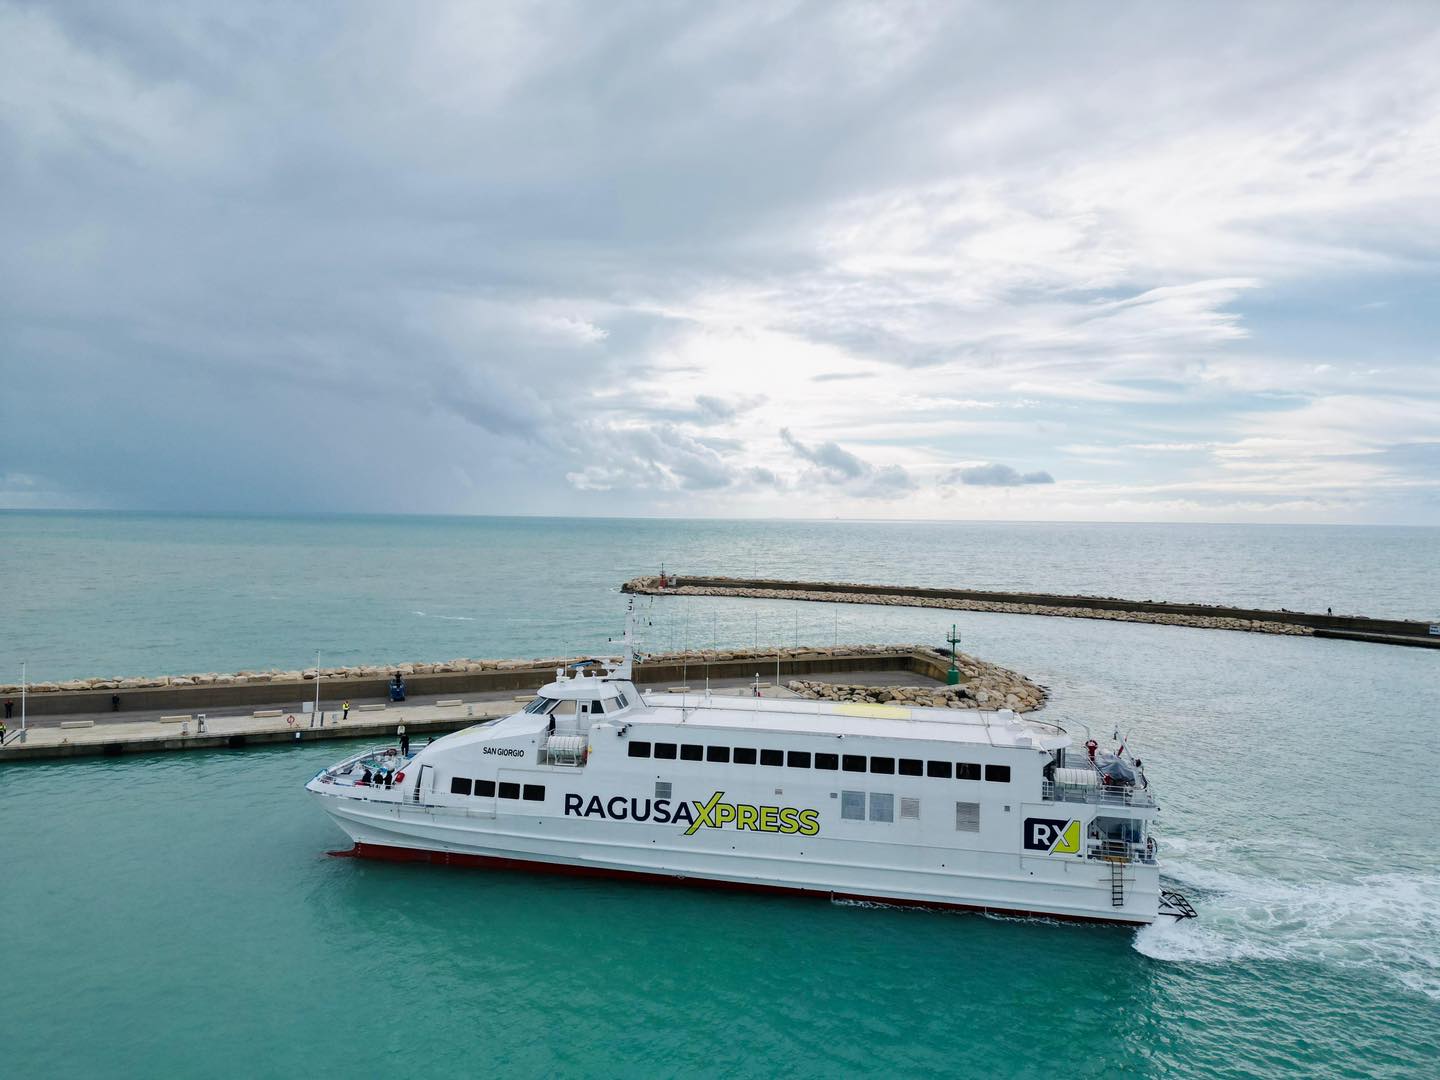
pixel 804 759
pixel 486 789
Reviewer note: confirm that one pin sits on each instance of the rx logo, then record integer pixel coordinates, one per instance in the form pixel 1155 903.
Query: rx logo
pixel 1054 836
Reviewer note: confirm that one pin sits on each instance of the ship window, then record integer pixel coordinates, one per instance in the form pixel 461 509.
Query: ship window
pixel 966 770
pixel 459 785
pixel 539 705
pixel 663 789
pixel 999 774
pixel 827 761
pixel 910 766
pixel 909 809
pixel 624 701
pixel 509 791
pixel 597 707
pixel 798 759
pixel 744 755
pixel 534 792
pixel 884 765
pixel 717 753
pixel 854 763
pixel 665 750
pixel 967 817
pixel 938 768
pixel 692 752
pixel 771 757
pixel 485 788
pixel 852 805
pixel 882 806
pixel 639 749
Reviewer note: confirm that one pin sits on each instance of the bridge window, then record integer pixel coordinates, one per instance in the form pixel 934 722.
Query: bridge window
pixel 485 788
pixel 744 755
pixel 938 768
pixel 665 750
pixel 771 757
pixel 882 807
pixel 717 753
pixel 854 763
pixel 692 752
pixel 884 765
pixel 534 793
pixel 967 817
pixel 966 770
pixel 852 806
pixel 624 701
pixel 459 785
pixel 798 759
pixel 596 707
pixel 540 705
pixel 997 774
pixel 910 766
pixel 639 749
pixel 827 761
pixel 509 791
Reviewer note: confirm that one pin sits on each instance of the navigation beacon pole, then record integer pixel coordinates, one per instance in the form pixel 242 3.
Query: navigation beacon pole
pixel 317 718
pixel 952 677
pixel 22 700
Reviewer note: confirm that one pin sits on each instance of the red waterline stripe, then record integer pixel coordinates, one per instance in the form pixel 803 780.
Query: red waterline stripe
pixel 495 862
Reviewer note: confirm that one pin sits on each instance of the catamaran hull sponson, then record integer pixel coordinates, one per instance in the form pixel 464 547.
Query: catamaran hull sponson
pixel 519 842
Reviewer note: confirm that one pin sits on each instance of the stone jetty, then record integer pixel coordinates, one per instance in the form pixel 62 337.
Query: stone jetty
pixel 1206 616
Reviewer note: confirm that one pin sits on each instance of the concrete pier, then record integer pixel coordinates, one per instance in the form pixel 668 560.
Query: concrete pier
pixel 78 723
pixel 1205 616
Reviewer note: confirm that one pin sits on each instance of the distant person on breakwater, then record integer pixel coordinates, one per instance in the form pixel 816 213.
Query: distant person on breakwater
pixel 9 708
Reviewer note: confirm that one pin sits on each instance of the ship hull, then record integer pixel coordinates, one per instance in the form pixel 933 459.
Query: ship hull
pixel 1003 886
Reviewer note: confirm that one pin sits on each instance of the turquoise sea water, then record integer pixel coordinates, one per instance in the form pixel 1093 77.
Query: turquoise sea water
pixel 177 915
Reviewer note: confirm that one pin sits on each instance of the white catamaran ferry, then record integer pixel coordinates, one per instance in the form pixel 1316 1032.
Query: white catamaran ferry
pixel 932 807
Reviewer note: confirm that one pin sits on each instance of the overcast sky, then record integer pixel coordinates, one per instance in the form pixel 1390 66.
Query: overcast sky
pixel 1002 260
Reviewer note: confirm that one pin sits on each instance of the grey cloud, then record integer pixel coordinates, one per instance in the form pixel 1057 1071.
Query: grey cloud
pixel 838 466
pixel 837 463
pixel 995 475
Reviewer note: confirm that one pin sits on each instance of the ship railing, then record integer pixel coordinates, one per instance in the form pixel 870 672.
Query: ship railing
pixel 1119 851
pixel 1098 794
pixel 339 773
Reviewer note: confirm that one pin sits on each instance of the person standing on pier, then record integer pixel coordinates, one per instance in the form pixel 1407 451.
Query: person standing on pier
pixel 404 742
pixel 345 710
pixel 9 708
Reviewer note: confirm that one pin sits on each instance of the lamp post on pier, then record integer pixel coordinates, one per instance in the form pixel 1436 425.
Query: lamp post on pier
pixel 952 677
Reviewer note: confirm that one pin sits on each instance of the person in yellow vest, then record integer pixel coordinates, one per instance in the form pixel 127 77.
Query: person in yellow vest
pixel 345 711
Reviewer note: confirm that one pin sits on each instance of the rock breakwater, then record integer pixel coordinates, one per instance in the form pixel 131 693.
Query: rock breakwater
pixel 834 595
pixel 984 686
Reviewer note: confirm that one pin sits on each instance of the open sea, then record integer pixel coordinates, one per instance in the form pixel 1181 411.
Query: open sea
pixel 177 915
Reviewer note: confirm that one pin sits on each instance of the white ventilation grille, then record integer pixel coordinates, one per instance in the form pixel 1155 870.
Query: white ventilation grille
pixel 852 805
pixel 909 808
pixel 662 789
pixel 967 817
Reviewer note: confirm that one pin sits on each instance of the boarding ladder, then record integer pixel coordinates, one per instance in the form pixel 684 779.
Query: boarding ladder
pixel 1117 882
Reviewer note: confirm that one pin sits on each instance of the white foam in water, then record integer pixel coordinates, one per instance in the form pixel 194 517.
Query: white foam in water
pixel 1385 921
pixel 451 618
